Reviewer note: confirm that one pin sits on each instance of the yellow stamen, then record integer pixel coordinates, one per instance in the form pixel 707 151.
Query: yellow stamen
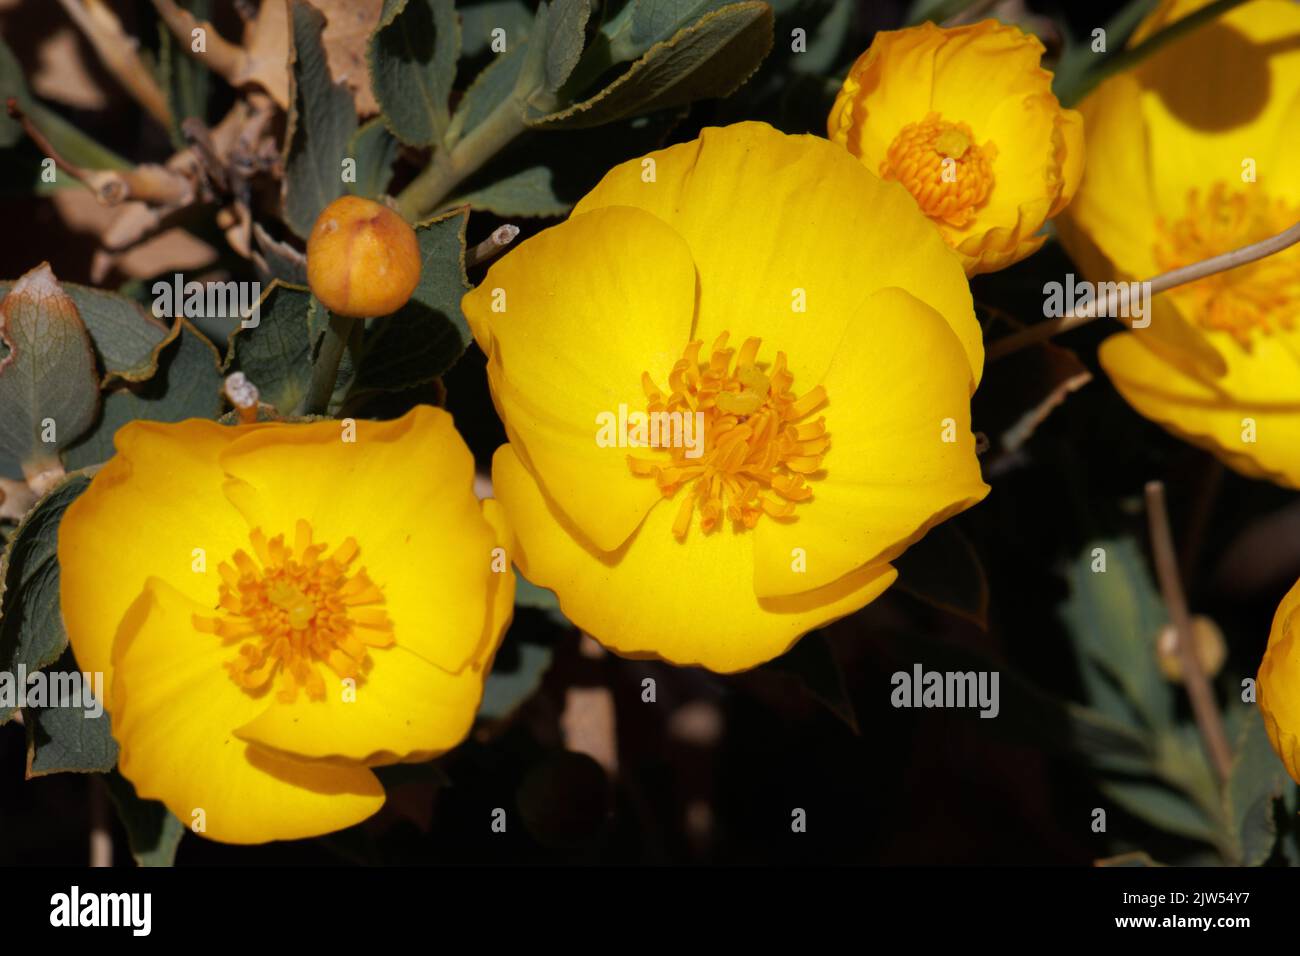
pixel 754 450
pixel 1259 298
pixel 292 611
pixel 947 191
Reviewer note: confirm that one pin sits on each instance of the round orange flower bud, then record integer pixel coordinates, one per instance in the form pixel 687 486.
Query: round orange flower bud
pixel 363 259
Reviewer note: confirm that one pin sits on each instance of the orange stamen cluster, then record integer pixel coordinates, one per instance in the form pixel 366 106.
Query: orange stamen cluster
pixel 757 449
pixel 950 194
pixel 291 609
pixel 1261 297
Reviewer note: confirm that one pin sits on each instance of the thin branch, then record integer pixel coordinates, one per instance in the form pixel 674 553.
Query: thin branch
pixel 147 183
pixel 101 840
pixel 492 246
pixel 1208 720
pixel 228 60
pixel 118 51
pixel 1161 283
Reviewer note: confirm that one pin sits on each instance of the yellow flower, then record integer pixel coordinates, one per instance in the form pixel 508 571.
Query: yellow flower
pixel 1192 154
pixel 1278 685
pixel 277 608
pixel 823 333
pixel 965 118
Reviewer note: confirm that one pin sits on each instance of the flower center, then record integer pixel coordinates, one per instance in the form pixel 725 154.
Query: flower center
pixel 291 609
pixel 1263 296
pixel 753 448
pixel 941 166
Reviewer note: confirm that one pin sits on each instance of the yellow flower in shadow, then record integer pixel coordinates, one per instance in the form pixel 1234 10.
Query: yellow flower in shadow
pixel 1192 154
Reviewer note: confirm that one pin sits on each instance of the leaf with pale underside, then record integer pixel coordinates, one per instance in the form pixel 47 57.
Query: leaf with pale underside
pixel 49 386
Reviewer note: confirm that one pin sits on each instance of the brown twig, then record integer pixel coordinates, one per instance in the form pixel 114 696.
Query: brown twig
pixel 492 246
pixel 1161 283
pixel 228 60
pixel 101 840
pixel 1208 720
pixel 117 50
pixel 148 183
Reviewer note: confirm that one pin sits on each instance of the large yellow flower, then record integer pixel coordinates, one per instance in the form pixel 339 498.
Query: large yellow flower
pixel 277 608
pixel 1190 155
pixel 822 331
pixel 965 118
pixel 1279 683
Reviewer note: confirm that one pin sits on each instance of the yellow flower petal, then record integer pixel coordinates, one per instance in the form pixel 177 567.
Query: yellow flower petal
pixel 403 709
pixel 144 514
pixel 774 222
pixel 1260 440
pixel 1203 125
pixel 890 475
pixel 175 710
pixel 402 490
pixel 1279 702
pixel 689 602
pixel 589 306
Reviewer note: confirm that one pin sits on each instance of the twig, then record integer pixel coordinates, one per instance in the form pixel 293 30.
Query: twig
pixel 492 246
pixel 1208 720
pixel 1161 283
pixel 226 59
pixel 118 51
pixel 101 841
pixel 149 183
pixel 244 395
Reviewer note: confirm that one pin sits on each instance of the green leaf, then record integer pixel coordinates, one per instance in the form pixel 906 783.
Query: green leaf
pixel 375 150
pixel 478 20
pixel 1029 715
pixel 944 570
pixel 1257 782
pixel 1162 806
pixel 125 337
pixel 49 387
pixel 1114 617
pixel 812 661
pixel 516 674
pixel 566 30
pixel 63 739
pixel 492 87
pixel 655 20
pixel 322 119
pixel 710 58
pixel 825 39
pixel 425 337
pixel 31 623
pixel 550 171
pixel 276 354
pixel 188 385
pixel 412 57
pixel 154 834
